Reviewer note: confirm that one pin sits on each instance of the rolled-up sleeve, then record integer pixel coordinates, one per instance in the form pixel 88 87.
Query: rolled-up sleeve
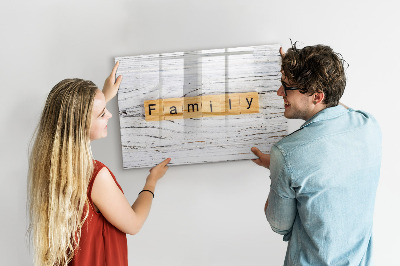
pixel 281 210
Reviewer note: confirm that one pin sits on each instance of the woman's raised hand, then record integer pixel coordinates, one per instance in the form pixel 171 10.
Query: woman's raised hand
pixel 111 85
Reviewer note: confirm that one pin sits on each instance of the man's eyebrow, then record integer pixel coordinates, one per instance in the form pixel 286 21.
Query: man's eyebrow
pixel 287 85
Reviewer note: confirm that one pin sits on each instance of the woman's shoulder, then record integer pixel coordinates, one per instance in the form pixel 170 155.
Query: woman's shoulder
pixel 97 168
pixel 98 164
pixel 103 172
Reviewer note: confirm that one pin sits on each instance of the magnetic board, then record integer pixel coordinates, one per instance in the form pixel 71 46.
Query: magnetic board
pixel 192 106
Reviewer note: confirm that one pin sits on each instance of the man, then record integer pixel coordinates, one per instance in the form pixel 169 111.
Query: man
pixel 324 175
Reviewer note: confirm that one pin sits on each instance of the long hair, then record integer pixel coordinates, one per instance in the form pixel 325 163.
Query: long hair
pixel 60 167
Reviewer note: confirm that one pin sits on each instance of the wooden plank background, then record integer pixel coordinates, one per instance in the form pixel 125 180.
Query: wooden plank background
pixel 197 73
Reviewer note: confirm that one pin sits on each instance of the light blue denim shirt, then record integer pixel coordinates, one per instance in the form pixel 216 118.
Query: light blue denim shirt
pixel 323 183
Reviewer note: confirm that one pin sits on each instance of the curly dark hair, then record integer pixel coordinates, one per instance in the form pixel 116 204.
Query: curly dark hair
pixel 316 69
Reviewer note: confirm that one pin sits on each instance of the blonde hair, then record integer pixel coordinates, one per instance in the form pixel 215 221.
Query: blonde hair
pixel 60 167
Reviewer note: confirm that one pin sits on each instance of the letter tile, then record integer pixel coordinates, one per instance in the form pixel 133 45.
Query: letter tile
pixel 213 105
pixel 232 103
pixel 153 110
pixel 192 107
pixel 249 103
pixel 172 108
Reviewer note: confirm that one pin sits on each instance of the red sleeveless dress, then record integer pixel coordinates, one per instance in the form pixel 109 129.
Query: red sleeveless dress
pixel 101 243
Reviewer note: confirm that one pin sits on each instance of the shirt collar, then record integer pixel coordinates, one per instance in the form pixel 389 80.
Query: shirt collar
pixel 326 114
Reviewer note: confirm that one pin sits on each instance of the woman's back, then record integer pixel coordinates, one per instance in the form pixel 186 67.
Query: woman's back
pixel 101 243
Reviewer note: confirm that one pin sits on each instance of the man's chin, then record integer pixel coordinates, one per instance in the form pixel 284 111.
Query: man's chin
pixel 290 116
pixel 287 115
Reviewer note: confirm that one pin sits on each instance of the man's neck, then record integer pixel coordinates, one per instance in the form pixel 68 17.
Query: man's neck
pixel 318 108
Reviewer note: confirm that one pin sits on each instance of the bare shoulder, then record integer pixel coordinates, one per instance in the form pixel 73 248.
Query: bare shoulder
pixel 111 202
pixel 103 175
pixel 103 185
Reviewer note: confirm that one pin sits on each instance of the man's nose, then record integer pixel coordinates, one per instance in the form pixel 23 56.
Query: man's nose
pixel 280 91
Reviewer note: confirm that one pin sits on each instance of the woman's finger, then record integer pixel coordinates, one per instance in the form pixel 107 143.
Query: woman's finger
pixel 114 70
pixel 119 80
pixel 165 162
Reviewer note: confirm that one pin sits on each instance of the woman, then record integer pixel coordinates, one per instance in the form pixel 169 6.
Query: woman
pixel 78 212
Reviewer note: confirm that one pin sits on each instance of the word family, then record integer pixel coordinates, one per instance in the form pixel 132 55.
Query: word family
pixel 201 106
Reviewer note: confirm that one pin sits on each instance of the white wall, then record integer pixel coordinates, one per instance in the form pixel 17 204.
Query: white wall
pixel 202 214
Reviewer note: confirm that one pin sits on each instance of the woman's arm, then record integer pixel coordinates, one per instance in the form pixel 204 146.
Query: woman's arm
pixel 114 206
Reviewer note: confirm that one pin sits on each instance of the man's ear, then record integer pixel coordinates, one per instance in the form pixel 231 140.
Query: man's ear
pixel 318 97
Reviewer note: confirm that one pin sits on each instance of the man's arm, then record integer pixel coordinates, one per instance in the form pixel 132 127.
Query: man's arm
pixel 280 213
pixel 262 160
pixel 345 106
pixel 280 208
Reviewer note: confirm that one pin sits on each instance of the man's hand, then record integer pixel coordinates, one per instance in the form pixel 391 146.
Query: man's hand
pixel 281 52
pixel 263 159
pixel 111 85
